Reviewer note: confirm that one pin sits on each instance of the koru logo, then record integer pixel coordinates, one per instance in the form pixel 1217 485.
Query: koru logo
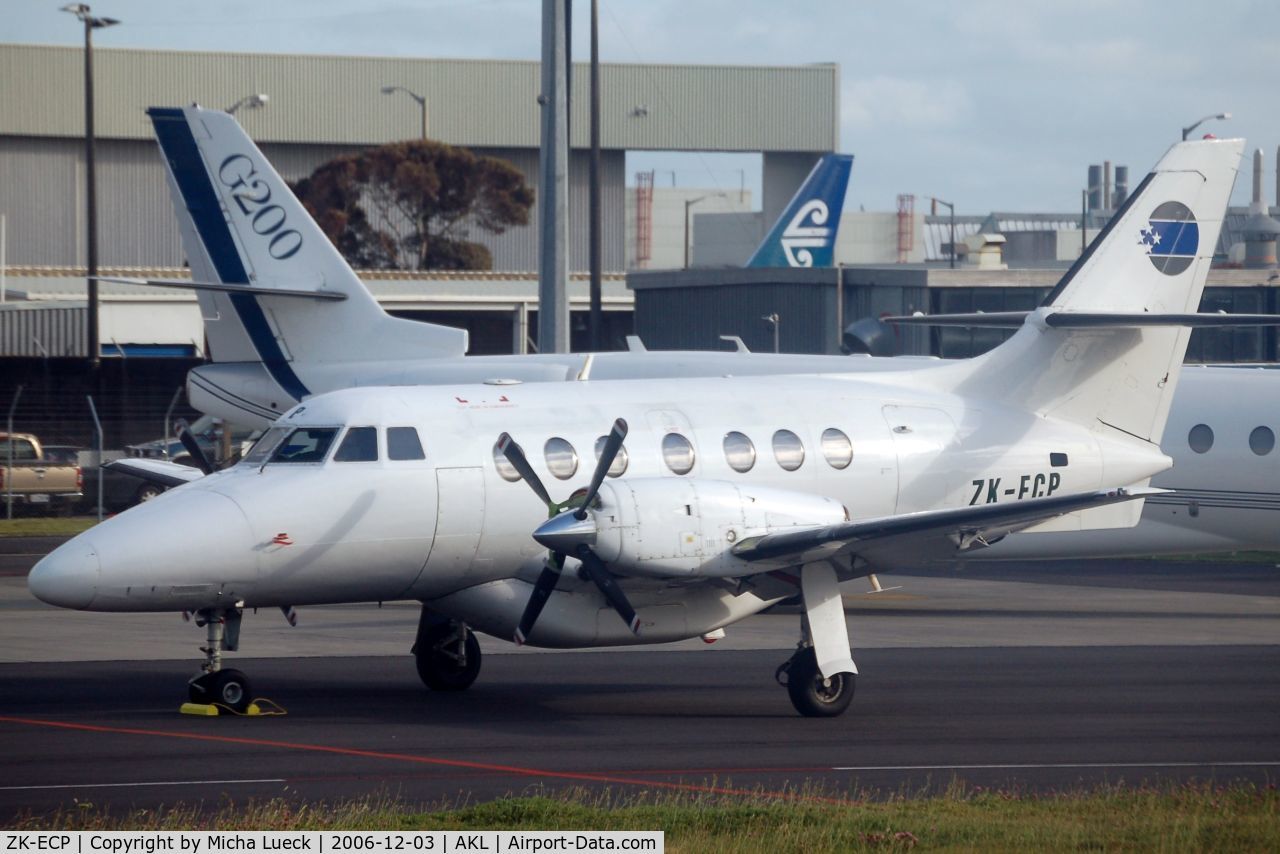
pixel 252 196
pixel 1171 238
pixel 798 235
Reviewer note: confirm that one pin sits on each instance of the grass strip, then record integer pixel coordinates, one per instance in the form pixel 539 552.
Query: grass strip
pixel 1168 817
pixel 42 526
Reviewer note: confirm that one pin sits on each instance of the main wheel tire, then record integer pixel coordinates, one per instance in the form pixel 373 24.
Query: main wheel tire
pixel 228 688
pixel 813 696
pixel 438 668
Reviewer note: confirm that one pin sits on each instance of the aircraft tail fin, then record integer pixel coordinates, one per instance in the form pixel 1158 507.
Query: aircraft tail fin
pixel 1152 259
pixel 805 234
pixel 242 226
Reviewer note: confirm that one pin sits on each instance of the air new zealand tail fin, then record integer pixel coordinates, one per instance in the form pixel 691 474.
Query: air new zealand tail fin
pixel 805 234
pixel 241 226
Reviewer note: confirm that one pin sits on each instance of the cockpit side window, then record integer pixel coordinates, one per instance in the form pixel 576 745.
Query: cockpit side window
pixel 305 445
pixel 403 444
pixel 265 445
pixel 360 445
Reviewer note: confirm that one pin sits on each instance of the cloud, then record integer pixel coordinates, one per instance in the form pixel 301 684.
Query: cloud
pixel 888 103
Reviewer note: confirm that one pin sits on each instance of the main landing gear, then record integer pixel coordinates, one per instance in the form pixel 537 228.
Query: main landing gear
pixel 820 676
pixel 213 685
pixel 446 652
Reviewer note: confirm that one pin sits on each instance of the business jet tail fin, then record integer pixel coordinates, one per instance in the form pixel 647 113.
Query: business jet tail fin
pixel 243 228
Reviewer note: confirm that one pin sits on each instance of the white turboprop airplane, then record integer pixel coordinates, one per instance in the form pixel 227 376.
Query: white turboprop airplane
pixel 403 493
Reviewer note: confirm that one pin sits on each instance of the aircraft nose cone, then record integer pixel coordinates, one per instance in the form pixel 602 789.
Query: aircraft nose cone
pixel 564 533
pixel 67 576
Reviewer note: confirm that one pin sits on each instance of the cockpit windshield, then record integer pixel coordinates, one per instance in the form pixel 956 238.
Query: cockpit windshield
pixel 304 445
pixel 262 448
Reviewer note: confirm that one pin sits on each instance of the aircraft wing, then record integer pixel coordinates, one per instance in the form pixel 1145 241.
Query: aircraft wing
pixel 924 535
pixel 161 472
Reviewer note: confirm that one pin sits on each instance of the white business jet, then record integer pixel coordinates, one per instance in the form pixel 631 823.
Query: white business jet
pixel 286 317
pixel 710 498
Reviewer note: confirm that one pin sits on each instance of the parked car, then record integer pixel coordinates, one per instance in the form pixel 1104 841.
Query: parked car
pixel 32 481
pixel 120 491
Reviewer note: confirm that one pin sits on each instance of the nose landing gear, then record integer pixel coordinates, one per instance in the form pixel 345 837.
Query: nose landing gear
pixel 213 685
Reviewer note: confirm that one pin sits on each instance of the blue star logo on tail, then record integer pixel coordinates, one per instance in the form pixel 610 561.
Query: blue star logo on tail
pixel 1170 238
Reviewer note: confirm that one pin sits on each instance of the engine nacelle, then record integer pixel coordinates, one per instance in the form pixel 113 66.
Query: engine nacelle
pixel 668 527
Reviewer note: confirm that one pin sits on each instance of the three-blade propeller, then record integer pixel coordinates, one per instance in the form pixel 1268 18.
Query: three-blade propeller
pixel 570 532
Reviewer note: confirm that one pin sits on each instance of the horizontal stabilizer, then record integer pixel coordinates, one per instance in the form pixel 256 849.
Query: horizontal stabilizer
pixel 930 533
pixel 225 287
pixel 1085 320
pixel 160 472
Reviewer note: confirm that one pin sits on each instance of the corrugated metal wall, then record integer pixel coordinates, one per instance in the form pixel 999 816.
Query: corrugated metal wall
pixel 329 99
pixel 42 197
pixel 42 331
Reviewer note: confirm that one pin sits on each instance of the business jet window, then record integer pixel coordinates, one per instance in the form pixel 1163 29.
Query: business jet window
pixel 1200 438
pixel 360 445
pixel 788 450
pixel 403 444
pixel 837 448
pixel 562 459
pixel 619 465
pixel 305 445
pixel 677 453
pixel 265 445
pixel 505 470
pixel 1262 440
pixel 739 452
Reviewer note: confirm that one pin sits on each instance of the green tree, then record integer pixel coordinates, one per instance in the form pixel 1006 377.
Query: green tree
pixel 412 205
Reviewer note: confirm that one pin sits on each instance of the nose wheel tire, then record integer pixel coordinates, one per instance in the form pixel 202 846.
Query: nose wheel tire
pixel 811 694
pixel 448 657
pixel 228 688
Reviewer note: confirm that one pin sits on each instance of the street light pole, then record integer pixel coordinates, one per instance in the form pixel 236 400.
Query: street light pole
pixel 1189 128
pixel 422 102
pixel 952 208
pixel 82 12
pixel 594 240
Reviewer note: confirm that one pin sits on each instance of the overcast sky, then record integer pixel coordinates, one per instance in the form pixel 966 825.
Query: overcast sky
pixel 995 104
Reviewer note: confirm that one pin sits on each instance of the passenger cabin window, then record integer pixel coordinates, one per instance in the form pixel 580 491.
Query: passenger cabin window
pixel 562 459
pixel 1200 438
pixel 360 445
pixel 266 444
pixel 677 453
pixel 739 452
pixel 1262 440
pixel 619 465
pixel 305 445
pixel 836 448
pixel 403 444
pixel 788 450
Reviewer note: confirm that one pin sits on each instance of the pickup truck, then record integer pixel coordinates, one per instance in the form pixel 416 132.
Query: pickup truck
pixel 29 480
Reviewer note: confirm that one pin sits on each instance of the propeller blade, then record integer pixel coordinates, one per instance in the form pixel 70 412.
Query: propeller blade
pixel 515 455
pixel 603 579
pixel 541 593
pixel 611 446
pixel 193 448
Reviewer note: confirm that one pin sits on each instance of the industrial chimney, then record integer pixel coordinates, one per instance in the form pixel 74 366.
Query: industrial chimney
pixel 1122 186
pixel 1260 230
pixel 1095 187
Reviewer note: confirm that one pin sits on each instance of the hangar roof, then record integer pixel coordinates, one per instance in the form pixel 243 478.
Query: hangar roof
pixel 479 103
